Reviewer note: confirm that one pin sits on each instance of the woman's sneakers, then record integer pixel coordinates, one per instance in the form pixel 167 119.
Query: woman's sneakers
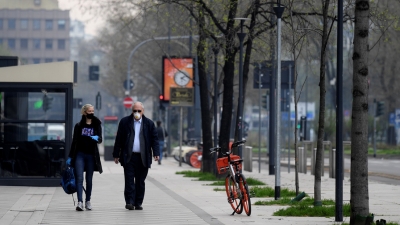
pixel 79 207
pixel 88 206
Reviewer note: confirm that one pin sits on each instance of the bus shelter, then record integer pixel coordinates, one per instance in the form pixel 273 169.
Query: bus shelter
pixel 35 122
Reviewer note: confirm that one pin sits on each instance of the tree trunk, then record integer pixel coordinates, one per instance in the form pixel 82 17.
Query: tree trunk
pixel 359 197
pixel 321 124
pixel 229 72
pixel 207 163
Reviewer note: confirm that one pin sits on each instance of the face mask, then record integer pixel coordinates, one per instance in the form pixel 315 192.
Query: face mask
pixel 90 115
pixel 137 115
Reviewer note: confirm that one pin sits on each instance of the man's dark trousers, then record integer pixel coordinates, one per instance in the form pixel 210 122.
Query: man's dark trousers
pixel 135 173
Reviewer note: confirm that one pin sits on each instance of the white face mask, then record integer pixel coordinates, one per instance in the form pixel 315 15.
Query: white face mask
pixel 137 115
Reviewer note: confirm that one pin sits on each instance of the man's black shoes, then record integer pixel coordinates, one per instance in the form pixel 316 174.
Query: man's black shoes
pixel 138 208
pixel 129 206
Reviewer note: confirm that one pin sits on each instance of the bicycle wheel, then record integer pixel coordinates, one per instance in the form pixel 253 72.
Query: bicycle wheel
pixel 246 203
pixel 231 192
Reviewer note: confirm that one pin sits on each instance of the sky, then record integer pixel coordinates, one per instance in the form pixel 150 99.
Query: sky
pixel 92 22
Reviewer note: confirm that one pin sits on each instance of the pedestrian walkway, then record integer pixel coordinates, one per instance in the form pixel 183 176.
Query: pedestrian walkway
pixel 174 199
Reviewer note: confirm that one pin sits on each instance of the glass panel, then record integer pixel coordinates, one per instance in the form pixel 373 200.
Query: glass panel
pixel 36 24
pixel 36 60
pixel 24 24
pixel 61 44
pixel 1 24
pixel 61 24
pixel 11 43
pixel 11 24
pixel 36 43
pixel 24 43
pixel 33 105
pixel 49 24
pixel 27 154
pixel 49 43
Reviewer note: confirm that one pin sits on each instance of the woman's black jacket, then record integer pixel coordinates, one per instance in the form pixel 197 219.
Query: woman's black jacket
pixel 74 146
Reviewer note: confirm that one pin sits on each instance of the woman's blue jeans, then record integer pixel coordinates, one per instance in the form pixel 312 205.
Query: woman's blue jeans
pixel 84 162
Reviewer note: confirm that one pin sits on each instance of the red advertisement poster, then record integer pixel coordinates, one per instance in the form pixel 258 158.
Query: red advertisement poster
pixel 177 72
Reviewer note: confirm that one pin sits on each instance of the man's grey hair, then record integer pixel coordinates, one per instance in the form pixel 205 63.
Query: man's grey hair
pixel 137 102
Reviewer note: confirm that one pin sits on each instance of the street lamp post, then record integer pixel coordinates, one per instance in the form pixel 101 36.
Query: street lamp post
pixel 216 51
pixel 278 11
pixel 239 122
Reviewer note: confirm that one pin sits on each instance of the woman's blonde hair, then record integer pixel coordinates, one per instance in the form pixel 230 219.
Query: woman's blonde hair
pixel 85 107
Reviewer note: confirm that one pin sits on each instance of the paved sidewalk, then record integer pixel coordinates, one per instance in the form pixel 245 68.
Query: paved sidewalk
pixel 174 199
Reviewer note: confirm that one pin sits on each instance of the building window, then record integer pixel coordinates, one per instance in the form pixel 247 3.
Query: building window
pixel 61 24
pixel 60 60
pixel 1 41
pixel 36 43
pixel 11 43
pixel 47 60
pixel 49 43
pixel 36 60
pixel 11 24
pixel 1 24
pixel 24 61
pixel 61 43
pixel 36 24
pixel 24 24
pixel 49 24
pixel 24 43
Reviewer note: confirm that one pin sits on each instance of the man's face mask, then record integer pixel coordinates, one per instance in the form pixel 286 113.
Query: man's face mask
pixel 137 113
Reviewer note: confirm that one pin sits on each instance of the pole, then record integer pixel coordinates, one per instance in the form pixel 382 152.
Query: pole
pixel 216 50
pixel 278 11
pixel 272 114
pixel 180 135
pixel 289 123
pixel 239 123
pixel 259 117
pixel 375 104
pixel 339 118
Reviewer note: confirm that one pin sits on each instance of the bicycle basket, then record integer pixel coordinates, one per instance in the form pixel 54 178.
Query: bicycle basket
pixel 223 165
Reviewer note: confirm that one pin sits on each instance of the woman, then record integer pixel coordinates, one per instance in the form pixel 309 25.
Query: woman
pixel 84 154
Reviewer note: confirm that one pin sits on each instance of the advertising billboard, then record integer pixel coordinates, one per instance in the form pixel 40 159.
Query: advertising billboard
pixel 177 72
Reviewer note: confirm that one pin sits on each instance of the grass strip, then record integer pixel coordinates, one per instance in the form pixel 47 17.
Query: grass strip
pixel 387 223
pixel 286 201
pixel 211 177
pixel 305 210
pixel 270 192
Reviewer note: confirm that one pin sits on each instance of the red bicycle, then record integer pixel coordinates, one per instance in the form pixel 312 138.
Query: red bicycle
pixel 235 183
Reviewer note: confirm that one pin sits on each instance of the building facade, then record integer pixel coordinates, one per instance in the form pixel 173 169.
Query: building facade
pixel 36 31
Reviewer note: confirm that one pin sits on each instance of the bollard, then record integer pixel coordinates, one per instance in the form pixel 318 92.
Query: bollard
pixel 332 163
pixel 300 158
pixel 248 159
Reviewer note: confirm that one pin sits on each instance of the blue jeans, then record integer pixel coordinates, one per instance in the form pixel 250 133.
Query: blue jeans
pixel 84 162
pixel 161 143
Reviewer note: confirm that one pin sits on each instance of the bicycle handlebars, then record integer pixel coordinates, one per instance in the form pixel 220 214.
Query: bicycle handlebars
pixel 234 145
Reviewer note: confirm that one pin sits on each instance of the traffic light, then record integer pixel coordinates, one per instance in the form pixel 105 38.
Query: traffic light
pixel 161 106
pixel 264 101
pixel 94 73
pixel 380 108
pixel 47 101
pixel 98 101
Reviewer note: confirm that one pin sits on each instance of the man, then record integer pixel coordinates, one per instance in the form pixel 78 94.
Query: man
pixel 135 144
pixel 162 134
